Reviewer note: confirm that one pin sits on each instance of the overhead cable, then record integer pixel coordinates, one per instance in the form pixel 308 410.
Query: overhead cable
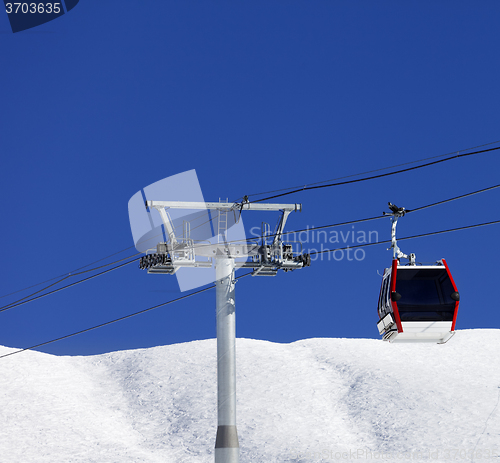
pixel 407 237
pixel 305 188
pixel 106 323
pixel 213 286
pixel 75 272
pixel 453 199
pixel 22 301
pixel 72 273
pixel 374 170
pixel 25 301
pixel 116 319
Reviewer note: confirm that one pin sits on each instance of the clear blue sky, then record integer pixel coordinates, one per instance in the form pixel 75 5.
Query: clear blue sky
pixel 255 96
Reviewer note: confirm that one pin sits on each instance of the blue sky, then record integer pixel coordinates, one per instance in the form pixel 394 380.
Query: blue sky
pixel 255 96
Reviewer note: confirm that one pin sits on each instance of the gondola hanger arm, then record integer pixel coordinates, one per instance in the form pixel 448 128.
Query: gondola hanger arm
pixel 396 213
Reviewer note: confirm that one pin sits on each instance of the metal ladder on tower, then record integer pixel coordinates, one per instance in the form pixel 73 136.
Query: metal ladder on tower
pixel 222 224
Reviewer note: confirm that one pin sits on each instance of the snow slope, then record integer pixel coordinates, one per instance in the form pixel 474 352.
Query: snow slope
pixel 310 401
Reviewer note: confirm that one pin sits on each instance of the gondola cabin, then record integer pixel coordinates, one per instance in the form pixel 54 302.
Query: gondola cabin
pixel 417 303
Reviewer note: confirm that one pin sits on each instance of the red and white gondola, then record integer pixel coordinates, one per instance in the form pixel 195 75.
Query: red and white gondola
pixel 417 303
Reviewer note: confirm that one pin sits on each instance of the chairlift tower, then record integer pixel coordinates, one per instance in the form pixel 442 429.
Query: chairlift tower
pixel 267 257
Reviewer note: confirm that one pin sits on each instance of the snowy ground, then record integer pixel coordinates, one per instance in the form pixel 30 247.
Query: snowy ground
pixel 316 400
